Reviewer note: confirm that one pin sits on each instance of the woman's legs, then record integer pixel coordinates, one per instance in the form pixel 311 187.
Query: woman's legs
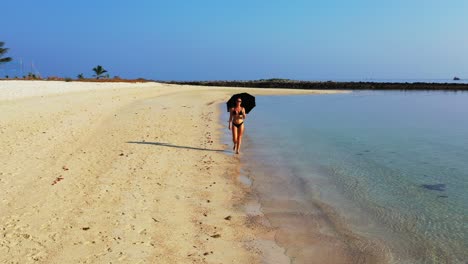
pixel 234 136
pixel 240 133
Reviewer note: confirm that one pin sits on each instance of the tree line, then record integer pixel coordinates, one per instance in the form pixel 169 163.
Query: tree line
pixel 99 71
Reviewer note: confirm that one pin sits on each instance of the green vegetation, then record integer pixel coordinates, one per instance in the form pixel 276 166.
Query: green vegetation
pixel 3 51
pixel 100 73
pixel 32 76
pixel 99 70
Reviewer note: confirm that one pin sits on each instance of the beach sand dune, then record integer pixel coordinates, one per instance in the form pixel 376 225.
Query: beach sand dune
pixel 130 173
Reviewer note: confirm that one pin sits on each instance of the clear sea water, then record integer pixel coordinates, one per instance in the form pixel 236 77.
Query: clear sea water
pixel 462 80
pixel 393 165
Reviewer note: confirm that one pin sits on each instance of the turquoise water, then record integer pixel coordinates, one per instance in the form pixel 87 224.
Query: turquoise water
pixel 394 165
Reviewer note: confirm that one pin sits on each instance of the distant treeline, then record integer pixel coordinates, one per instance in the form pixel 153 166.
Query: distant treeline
pixel 330 85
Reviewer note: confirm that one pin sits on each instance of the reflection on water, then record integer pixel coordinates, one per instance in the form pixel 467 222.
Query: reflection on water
pixel 370 176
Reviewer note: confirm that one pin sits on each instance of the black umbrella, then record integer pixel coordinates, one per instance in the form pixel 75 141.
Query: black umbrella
pixel 248 101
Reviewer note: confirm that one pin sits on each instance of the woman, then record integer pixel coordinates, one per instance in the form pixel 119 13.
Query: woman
pixel 236 124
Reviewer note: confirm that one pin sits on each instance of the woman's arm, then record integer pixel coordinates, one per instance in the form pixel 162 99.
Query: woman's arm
pixel 243 113
pixel 230 118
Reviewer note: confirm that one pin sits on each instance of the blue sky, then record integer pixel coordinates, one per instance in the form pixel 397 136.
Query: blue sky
pixel 239 40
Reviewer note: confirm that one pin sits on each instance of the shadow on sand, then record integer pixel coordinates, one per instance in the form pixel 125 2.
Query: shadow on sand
pixel 172 146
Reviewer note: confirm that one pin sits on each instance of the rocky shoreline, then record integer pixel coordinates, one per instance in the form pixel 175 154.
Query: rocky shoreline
pixel 330 85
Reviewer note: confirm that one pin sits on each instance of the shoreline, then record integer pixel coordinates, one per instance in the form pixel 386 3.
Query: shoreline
pixel 264 242
pixel 293 227
pixel 110 174
pixel 300 225
pixel 306 228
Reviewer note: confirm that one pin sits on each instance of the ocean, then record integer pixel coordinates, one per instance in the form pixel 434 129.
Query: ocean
pixel 367 176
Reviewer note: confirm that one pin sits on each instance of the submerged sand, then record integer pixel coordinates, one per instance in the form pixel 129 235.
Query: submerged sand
pixel 118 172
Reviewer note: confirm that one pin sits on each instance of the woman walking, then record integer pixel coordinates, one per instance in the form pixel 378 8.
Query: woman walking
pixel 236 124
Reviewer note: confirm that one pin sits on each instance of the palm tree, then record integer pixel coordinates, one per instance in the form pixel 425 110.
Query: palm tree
pixel 99 70
pixel 2 52
pixel 80 76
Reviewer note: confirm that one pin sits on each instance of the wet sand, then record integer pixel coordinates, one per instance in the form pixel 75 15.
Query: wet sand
pixel 309 230
pixel 128 173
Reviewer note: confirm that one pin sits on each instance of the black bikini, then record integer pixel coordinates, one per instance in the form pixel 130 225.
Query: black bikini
pixel 238 125
pixel 238 113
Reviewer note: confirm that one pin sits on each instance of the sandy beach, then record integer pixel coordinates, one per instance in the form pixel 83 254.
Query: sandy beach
pixel 122 173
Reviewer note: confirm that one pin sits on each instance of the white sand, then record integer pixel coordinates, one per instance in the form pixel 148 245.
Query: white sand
pixel 16 89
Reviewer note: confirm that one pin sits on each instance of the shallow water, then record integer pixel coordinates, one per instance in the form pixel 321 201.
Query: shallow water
pixel 363 177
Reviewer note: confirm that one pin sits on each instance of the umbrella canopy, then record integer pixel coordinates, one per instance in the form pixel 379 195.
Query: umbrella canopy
pixel 248 101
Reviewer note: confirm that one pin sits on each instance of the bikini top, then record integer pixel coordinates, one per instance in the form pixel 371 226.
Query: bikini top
pixel 238 113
